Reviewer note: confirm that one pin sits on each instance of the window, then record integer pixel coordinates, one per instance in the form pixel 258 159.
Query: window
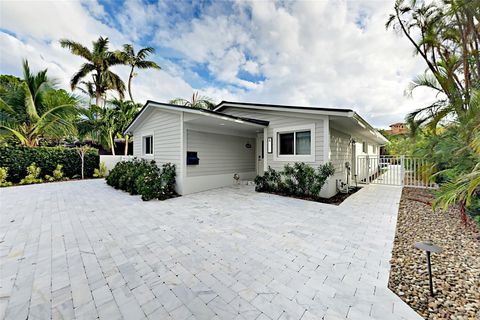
pixel 148 145
pixel 364 147
pixel 295 143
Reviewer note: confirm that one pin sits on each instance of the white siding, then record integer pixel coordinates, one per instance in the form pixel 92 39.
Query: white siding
pixel 280 120
pixel 166 130
pixel 220 154
pixel 340 150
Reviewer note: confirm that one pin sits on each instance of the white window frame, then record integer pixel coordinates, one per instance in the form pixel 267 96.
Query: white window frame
pixel 144 146
pixel 365 147
pixel 294 157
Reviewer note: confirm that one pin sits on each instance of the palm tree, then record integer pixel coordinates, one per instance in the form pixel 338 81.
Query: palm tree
pixel 129 57
pixel 198 102
pixel 99 60
pixel 31 109
pixel 125 113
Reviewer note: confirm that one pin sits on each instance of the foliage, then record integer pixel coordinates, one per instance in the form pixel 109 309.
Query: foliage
pixel 98 62
pixel 32 110
pixel 446 36
pixel 33 173
pixel 138 60
pixel 197 101
pixel 3 177
pixel 145 178
pixel 299 180
pixel 101 171
pixel 16 159
pixel 57 174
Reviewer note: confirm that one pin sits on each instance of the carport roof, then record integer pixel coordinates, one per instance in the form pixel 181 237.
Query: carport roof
pixel 208 113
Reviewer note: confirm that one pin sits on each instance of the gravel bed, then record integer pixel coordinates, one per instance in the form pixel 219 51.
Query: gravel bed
pixel 456 271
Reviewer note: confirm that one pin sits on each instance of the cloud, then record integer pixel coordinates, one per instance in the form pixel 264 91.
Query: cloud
pixel 321 53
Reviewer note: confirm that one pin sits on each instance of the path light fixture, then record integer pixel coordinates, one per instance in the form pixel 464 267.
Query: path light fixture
pixel 429 247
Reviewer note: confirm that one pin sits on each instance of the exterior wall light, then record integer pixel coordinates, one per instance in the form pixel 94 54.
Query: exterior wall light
pixel 269 145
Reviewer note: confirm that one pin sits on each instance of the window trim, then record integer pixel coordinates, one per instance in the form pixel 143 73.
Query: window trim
pixel 144 145
pixel 365 147
pixel 294 157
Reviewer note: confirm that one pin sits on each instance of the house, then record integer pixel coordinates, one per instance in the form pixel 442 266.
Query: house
pixel 209 147
pixel 398 128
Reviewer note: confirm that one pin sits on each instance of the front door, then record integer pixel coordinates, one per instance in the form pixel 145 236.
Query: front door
pixel 260 153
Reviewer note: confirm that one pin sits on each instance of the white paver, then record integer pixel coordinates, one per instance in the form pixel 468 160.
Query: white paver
pixel 83 249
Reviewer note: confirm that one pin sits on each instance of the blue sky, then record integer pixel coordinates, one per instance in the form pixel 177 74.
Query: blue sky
pixel 316 53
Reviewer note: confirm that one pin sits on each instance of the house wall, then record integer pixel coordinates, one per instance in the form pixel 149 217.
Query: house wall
pixel 165 126
pixel 279 120
pixel 340 153
pixel 221 156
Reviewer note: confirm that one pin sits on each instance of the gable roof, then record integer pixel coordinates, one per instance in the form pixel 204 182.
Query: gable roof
pixel 205 112
pixel 225 104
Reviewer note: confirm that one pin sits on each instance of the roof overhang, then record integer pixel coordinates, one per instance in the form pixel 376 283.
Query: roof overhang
pixel 151 105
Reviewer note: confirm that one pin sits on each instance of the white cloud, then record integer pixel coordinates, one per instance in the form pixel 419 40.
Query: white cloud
pixel 316 53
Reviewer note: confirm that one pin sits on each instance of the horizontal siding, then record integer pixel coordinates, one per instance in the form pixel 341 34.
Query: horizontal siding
pixel 278 121
pixel 220 154
pixel 340 150
pixel 166 129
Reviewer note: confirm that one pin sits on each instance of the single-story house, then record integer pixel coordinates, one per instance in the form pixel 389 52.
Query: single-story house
pixel 209 147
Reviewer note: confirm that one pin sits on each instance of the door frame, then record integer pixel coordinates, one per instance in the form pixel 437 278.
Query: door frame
pixel 259 154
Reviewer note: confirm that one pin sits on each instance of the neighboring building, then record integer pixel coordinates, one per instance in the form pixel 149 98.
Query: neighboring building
pixel 398 128
pixel 209 147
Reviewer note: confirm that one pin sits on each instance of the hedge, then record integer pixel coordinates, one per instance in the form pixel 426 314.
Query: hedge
pixel 17 159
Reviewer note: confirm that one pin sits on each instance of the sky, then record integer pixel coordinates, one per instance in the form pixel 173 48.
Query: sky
pixel 322 53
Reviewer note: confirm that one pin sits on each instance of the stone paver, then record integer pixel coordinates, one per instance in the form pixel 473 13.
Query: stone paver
pixel 84 250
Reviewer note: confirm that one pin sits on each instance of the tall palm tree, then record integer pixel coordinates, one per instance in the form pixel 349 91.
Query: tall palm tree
pixel 125 113
pixel 197 101
pixel 31 109
pixel 99 60
pixel 129 57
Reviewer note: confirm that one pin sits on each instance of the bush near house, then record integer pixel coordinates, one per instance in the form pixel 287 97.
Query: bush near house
pixel 144 177
pixel 298 180
pixel 18 159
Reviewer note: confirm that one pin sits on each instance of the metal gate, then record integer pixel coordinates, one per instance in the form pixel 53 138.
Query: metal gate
pixel 394 170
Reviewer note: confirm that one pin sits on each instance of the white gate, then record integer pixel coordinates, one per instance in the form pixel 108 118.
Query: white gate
pixel 394 170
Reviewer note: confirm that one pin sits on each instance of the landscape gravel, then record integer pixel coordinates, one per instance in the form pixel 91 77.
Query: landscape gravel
pixel 456 270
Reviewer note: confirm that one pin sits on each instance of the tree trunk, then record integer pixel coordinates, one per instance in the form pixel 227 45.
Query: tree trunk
pixel 98 99
pixel 83 163
pixel 126 144
pixel 130 77
pixel 112 143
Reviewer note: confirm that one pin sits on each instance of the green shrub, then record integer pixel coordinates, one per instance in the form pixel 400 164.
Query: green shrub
pixel 145 178
pixel 299 180
pixel 57 174
pixel 3 177
pixel 18 158
pixel 101 171
pixel 33 173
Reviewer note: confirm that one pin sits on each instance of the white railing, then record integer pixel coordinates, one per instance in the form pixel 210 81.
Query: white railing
pixel 394 170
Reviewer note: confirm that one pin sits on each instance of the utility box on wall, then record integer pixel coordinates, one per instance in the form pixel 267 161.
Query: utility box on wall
pixel 192 158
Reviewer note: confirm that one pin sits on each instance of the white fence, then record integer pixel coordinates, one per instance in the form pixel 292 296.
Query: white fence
pixel 110 161
pixel 394 170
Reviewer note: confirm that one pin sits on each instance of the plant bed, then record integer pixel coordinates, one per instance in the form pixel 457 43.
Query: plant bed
pixel 335 200
pixel 456 270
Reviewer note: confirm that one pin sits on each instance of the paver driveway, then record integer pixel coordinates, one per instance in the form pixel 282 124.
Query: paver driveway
pixel 84 250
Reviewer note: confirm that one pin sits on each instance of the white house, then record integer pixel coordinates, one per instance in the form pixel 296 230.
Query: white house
pixel 209 147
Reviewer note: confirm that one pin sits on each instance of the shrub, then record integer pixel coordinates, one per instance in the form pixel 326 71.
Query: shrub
pixel 145 178
pixel 32 176
pixel 299 180
pixel 57 174
pixel 3 177
pixel 17 159
pixel 101 171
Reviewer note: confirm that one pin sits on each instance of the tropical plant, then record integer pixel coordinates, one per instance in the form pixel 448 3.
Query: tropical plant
pixel 33 173
pixel 101 171
pixel 82 151
pixel 32 110
pixel 136 60
pixel 3 177
pixel 125 112
pixel 98 62
pixel 197 101
pixel 57 174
